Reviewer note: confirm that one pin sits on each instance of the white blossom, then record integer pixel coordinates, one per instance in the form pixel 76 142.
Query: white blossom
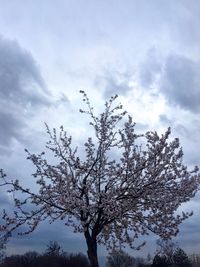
pixel 111 200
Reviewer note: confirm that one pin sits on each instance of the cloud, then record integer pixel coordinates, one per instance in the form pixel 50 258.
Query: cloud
pixel 173 75
pixel 180 82
pixel 150 68
pixel 113 82
pixel 19 75
pixel 44 233
pixel 4 199
pixel 22 90
pixel 9 127
pixel 186 24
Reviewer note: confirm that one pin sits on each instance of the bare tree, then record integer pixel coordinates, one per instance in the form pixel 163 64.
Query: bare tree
pixel 120 259
pixel 120 189
pixel 53 248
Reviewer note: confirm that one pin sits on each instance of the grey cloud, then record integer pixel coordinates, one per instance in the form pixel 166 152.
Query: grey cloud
pixel 149 68
pixel 187 22
pixel 164 119
pixel 63 100
pixel 180 82
pixel 188 236
pixel 113 82
pixel 22 90
pixel 176 76
pixel 9 127
pixel 189 228
pixel 38 240
pixel 187 130
pixel 20 78
pixel 141 127
pixel 4 200
pixel 178 128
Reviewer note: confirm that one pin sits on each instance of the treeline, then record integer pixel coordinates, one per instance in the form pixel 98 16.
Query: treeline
pixel 33 259
pixel 178 259
pixel 168 255
pixel 63 259
pixel 52 257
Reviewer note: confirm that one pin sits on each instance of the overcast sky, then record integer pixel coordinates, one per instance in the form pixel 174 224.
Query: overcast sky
pixel 147 52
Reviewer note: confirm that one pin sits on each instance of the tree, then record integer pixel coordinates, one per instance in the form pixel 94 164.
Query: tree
pixel 181 259
pixel 195 259
pixel 118 190
pixel 166 248
pixel 160 261
pixel 2 248
pixel 170 254
pixel 120 259
pixel 33 259
pixel 77 260
pixel 53 248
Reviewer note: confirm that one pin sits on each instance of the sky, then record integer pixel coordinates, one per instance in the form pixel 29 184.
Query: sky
pixel 147 52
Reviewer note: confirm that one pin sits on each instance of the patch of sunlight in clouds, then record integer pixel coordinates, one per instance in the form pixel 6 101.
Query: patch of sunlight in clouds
pixel 144 106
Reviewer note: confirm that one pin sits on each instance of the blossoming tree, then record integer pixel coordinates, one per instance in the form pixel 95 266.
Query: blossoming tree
pixel 121 188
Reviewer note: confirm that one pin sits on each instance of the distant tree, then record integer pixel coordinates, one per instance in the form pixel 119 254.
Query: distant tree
pixel 160 261
pixel 53 248
pixel 33 259
pixel 181 259
pixel 170 254
pixel 117 191
pixel 195 259
pixel 52 260
pixel 2 248
pixel 120 259
pixel 140 262
pixel 148 259
pixel 29 259
pixel 166 247
pixel 15 261
pixel 77 260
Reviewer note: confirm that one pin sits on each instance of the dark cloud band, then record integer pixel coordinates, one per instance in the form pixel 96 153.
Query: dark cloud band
pixel 22 89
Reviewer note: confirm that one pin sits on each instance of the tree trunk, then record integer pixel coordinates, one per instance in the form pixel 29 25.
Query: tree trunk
pixel 92 249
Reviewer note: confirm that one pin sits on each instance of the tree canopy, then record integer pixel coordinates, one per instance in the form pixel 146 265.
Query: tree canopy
pixel 125 185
